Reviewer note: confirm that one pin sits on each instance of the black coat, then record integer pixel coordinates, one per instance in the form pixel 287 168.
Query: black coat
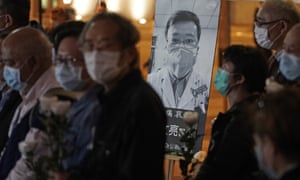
pixel 230 154
pixel 7 114
pixel 130 135
pixel 293 174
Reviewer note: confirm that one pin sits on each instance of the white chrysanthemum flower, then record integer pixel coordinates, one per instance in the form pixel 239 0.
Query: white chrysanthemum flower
pixel 61 107
pixel 190 118
pixel 26 148
pixel 45 103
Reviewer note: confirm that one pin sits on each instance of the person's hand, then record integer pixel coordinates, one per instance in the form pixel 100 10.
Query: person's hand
pixel 197 160
pixel 272 85
pixel 55 175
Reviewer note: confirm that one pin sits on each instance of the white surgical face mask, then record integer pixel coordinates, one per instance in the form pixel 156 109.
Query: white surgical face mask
pixel 103 66
pixel 262 37
pixel 182 61
pixel 69 77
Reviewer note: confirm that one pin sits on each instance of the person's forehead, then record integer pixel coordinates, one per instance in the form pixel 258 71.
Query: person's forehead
pixel 293 36
pixel 183 28
pixel 264 13
pixel 228 66
pixel 6 52
pixel 102 29
pixel 68 44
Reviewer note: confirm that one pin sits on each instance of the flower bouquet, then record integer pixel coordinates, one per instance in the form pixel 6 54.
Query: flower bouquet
pixel 52 114
pixel 187 150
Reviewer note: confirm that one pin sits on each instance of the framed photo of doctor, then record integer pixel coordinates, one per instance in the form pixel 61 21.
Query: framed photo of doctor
pixel 182 54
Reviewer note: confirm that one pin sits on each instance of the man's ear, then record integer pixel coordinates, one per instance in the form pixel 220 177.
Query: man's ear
pixel 240 79
pixel 32 61
pixel 132 55
pixel 8 21
pixel 284 26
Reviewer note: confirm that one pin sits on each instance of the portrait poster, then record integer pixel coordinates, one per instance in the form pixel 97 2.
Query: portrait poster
pixel 182 55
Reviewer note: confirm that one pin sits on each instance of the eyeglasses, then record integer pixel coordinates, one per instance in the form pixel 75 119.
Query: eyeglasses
pixel 260 23
pixel 66 60
pixel 8 62
pixel 187 43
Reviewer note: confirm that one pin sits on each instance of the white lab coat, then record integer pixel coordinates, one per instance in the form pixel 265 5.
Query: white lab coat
pixel 161 82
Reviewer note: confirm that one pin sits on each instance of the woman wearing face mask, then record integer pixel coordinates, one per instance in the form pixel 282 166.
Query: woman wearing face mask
pixel 276 134
pixel 241 80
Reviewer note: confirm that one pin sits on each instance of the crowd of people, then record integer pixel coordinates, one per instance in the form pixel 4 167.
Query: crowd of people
pixel 82 110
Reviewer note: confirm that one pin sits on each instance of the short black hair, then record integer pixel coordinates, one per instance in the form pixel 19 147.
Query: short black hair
pixel 103 4
pixel 18 9
pixel 67 29
pixel 184 16
pixel 249 62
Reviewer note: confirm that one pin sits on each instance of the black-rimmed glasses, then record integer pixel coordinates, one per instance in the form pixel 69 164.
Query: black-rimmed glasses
pixel 65 59
pixel 260 23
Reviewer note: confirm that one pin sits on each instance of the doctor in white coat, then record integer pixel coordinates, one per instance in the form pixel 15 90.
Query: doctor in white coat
pixel 177 83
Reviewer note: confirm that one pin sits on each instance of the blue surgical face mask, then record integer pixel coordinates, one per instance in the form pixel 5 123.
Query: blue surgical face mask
pixel 12 77
pixel 221 81
pixel 69 77
pixel 289 66
pixel 267 170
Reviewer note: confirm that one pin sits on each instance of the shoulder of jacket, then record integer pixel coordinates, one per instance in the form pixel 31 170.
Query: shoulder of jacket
pixel 60 92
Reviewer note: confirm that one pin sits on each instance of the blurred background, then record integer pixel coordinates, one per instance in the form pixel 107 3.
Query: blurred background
pixel 235 27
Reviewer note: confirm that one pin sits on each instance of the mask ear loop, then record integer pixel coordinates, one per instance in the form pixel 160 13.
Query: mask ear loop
pixel 280 34
pixel 241 78
pixel 32 72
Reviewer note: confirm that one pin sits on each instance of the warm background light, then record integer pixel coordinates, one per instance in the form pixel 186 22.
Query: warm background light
pixel 133 9
pixel 113 5
pixel 142 21
pixel 138 8
pixel 67 1
pixel 78 17
pixel 85 8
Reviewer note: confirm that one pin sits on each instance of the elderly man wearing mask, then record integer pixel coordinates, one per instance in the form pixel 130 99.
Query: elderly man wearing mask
pixel 13 14
pixel 9 101
pixel 26 53
pixel 71 73
pixel 289 65
pixel 273 20
pixel 122 133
